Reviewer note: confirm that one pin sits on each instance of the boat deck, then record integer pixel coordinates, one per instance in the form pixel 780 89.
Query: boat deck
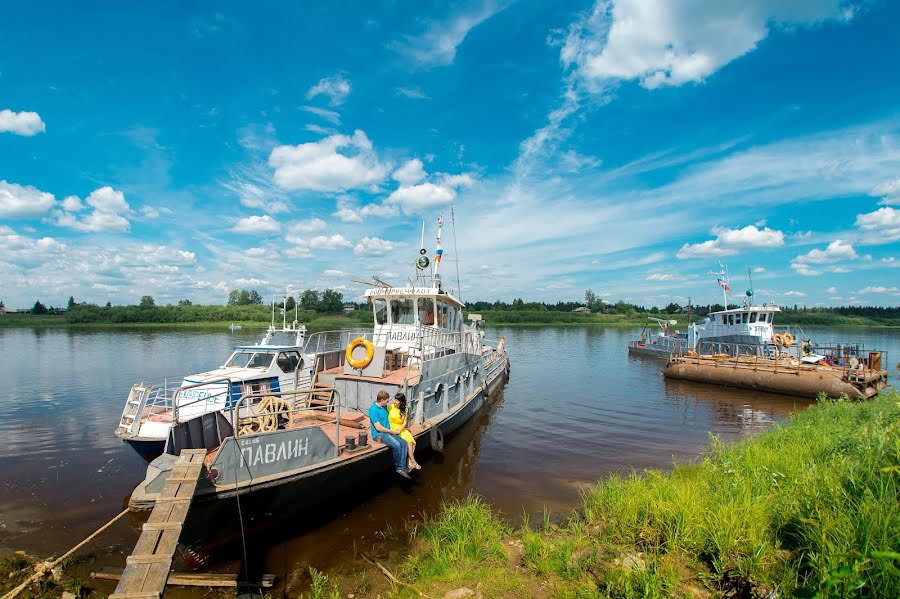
pixel 405 374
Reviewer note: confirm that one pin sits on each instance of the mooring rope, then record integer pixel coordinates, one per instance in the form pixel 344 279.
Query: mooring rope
pixel 44 567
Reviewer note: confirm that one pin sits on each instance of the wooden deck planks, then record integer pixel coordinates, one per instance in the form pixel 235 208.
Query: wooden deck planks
pixel 147 568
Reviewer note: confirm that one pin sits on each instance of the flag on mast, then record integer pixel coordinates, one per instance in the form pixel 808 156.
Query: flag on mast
pixel 722 283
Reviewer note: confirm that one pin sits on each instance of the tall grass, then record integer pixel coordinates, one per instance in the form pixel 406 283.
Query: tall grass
pixel 810 508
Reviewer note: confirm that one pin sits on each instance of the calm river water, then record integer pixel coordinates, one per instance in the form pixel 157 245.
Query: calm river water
pixel 576 408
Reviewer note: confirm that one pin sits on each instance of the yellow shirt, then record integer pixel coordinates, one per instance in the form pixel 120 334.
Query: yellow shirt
pixel 395 418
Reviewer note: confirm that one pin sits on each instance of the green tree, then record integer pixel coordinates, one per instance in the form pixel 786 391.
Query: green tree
pixel 71 302
pixel 109 304
pixel 244 297
pixel 309 299
pixel 39 308
pixel 253 297
pixel 589 298
pixel 147 301
pixel 290 303
pixel 332 301
pixel 185 302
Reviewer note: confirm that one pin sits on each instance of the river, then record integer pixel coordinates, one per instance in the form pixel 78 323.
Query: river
pixel 576 408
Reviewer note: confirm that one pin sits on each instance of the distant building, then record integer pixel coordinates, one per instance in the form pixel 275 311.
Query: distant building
pixel 5 310
pixel 348 308
pixel 582 310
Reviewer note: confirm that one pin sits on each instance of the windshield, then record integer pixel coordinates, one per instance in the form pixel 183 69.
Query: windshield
pixel 250 360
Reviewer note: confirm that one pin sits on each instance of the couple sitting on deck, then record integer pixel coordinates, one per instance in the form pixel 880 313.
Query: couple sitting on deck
pixel 389 425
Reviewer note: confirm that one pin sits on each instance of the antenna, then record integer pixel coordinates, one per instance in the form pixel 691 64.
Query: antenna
pixel 722 280
pixel 438 253
pixel 455 253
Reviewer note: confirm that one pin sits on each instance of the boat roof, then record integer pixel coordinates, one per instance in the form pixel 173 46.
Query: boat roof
pixel 411 292
pixel 266 347
pixel 750 308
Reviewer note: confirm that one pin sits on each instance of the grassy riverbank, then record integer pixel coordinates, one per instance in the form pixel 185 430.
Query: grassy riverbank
pixel 807 509
pixel 324 321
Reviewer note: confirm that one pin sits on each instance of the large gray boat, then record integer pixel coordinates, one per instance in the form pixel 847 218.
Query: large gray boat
pixel 318 438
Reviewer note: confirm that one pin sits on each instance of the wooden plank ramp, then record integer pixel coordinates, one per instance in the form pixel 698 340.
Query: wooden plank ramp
pixel 147 568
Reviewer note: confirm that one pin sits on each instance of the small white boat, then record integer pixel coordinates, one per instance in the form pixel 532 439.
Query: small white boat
pixel 152 408
pixel 234 327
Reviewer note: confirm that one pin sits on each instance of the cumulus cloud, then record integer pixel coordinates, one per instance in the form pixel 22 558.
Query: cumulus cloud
pixel 814 262
pixel 373 246
pixel 108 214
pixel 410 173
pixel 72 204
pixel 310 225
pixel 731 241
pixel 437 45
pixel 879 289
pixel 332 164
pixel 794 294
pixel 17 201
pixel 21 123
pixel 257 224
pixel 22 249
pixel 329 242
pixel 882 226
pixel 662 43
pixel 336 87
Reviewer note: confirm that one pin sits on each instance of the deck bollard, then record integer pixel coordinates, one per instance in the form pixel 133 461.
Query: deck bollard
pixel 363 439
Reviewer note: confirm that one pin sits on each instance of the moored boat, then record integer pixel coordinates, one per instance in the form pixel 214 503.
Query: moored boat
pixel 659 342
pixel 319 438
pixel 152 407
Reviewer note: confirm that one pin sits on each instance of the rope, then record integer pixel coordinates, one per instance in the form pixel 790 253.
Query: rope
pixel 45 567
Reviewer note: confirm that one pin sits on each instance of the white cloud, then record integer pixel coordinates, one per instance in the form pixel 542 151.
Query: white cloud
pixel 336 87
pixel 573 162
pixel 331 273
pixel 889 192
pixel 346 213
pixel 731 241
pixel 815 261
pixel 420 197
pixel 661 277
pixel 108 215
pixel 883 225
pixel 759 269
pixel 329 242
pixel 21 123
pixel 254 188
pixel 832 290
pixel 461 180
pixel 310 225
pixel 414 93
pixel 319 166
pixel 329 115
pixel 794 294
pixel 257 224
pixel 72 204
pixel 17 201
pixel 21 249
pixel 373 246
pixel 671 43
pixel 410 173
pixel 878 289
pixel 383 210
pixel 437 45
pixel 149 212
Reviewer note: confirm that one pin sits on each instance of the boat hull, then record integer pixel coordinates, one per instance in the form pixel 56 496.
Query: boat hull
pixel 650 352
pixel 146 448
pixel 785 381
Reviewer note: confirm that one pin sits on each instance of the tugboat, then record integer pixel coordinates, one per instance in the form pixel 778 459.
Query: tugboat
pixel 151 408
pixel 317 439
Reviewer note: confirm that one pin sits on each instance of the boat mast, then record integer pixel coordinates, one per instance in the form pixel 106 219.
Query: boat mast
pixel 722 280
pixel 438 253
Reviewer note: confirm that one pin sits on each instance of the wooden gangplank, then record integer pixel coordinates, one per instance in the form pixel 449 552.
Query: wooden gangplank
pixel 147 568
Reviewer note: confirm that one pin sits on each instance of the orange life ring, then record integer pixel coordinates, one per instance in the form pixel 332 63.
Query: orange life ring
pixel 777 339
pixel 787 339
pixel 370 353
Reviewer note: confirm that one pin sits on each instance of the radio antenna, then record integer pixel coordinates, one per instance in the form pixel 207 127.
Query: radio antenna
pixel 456 253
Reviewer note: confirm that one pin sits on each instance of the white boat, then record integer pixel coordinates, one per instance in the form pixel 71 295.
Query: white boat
pixel 234 327
pixel 273 365
pixel 660 341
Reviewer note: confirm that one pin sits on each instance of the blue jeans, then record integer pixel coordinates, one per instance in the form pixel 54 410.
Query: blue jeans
pixel 398 447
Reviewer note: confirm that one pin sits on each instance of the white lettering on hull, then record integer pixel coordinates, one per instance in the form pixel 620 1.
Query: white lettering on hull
pixel 274 452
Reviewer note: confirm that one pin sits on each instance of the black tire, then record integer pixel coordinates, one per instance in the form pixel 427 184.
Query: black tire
pixel 437 439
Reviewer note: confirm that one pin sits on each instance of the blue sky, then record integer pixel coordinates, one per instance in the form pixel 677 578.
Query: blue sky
pixel 625 146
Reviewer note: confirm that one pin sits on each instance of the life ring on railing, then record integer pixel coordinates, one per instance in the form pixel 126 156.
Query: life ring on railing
pixel 778 339
pixel 370 353
pixel 787 339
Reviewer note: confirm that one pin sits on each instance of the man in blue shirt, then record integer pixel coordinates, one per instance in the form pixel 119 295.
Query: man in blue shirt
pixel 381 431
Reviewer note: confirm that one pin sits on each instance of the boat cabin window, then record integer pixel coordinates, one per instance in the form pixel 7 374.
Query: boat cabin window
pixel 731 319
pixel 403 311
pixel 744 317
pixel 443 315
pixel 753 316
pixel 426 311
pixel 288 361
pixel 380 311
pixel 250 359
pixel 765 317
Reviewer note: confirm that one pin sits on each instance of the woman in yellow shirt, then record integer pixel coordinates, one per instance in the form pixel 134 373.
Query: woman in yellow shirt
pixel 397 417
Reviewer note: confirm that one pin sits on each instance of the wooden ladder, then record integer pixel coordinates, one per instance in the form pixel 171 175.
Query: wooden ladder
pixel 321 395
pixel 147 568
